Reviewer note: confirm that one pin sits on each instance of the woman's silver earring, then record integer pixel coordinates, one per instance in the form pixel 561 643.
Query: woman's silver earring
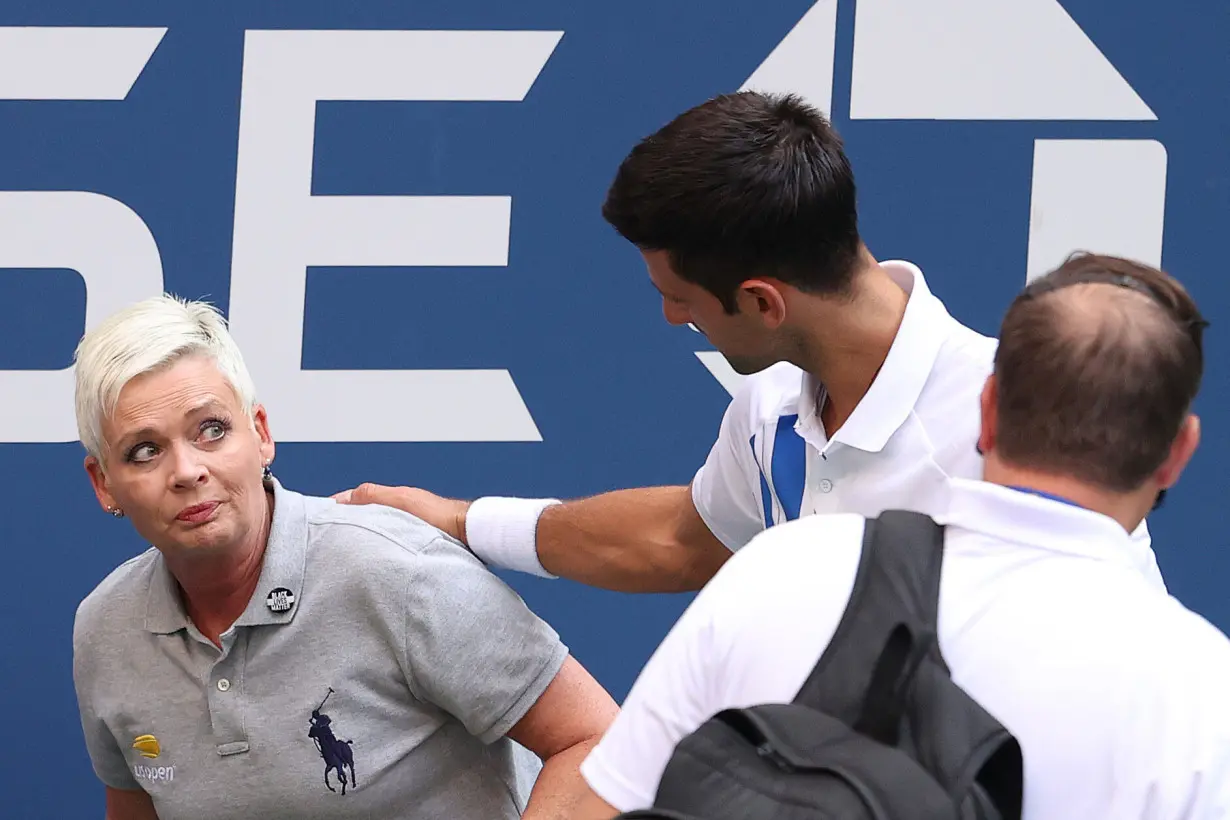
pixel 116 511
pixel 266 473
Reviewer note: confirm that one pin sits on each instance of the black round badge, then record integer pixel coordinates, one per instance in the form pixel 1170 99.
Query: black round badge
pixel 280 600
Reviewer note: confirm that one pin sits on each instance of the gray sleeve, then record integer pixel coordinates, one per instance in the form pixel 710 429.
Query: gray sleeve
pixel 105 754
pixel 473 647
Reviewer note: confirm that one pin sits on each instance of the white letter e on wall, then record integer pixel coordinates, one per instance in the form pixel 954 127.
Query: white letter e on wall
pixel 281 229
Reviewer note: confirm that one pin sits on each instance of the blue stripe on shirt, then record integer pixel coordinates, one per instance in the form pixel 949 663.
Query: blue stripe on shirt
pixel 766 498
pixel 789 466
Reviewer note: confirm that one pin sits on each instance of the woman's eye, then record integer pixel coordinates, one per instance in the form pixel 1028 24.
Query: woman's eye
pixel 142 452
pixel 213 430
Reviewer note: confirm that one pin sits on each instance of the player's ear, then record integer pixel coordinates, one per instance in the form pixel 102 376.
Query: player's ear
pixel 764 299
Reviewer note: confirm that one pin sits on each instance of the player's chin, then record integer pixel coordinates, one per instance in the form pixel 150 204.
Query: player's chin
pixel 746 365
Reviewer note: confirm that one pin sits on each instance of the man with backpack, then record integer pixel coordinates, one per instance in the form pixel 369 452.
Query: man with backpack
pixel 1008 657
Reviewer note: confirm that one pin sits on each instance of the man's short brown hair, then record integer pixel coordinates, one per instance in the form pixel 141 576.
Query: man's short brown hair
pixel 1097 367
pixel 746 184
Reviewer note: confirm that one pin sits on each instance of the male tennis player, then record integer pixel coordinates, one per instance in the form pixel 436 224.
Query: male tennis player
pixel 863 391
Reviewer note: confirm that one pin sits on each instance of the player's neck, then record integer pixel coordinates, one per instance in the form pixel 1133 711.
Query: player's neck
pixel 845 344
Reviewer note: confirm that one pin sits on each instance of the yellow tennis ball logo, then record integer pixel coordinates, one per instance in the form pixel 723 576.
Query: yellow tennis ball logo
pixel 147 745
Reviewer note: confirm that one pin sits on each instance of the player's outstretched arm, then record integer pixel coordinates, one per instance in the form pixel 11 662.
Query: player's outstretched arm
pixel 649 539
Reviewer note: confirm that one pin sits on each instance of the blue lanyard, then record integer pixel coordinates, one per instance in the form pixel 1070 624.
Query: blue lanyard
pixel 1041 494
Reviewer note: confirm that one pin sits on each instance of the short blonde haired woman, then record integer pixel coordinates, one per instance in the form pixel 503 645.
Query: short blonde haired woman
pixel 280 655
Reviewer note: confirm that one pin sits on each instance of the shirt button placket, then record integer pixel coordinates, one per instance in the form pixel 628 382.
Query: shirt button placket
pixel 226 697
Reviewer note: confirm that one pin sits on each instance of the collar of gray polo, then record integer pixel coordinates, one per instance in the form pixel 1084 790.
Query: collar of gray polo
pixel 277 594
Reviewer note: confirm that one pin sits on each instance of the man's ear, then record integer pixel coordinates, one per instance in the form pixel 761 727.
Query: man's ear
pixel 990 413
pixel 1181 451
pixel 764 299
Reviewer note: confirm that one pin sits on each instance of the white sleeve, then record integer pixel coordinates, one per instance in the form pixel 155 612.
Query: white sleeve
pixel 752 635
pixel 1173 749
pixel 1204 795
pixel 672 696
pixel 726 489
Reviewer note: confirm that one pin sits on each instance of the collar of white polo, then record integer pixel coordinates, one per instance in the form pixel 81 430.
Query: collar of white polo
pixel 1054 525
pixel 898 385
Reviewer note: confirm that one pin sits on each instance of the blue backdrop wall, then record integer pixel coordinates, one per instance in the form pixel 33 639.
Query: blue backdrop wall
pixel 398 206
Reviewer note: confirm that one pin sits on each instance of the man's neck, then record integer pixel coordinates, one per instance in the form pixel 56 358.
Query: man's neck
pixel 845 345
pixel 217 588
pixel 1127 509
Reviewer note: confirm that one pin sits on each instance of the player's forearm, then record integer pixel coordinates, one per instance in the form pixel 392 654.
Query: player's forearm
pixel 560 788
pixel 640 540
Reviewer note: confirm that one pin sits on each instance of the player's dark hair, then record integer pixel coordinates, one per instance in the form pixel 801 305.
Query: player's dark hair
pixel 1098 364
pixel 744 185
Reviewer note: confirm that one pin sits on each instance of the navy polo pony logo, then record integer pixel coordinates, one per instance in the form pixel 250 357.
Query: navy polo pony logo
pixel 336 753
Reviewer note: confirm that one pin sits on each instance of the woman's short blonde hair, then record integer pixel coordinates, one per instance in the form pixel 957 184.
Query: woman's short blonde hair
pixel 152 334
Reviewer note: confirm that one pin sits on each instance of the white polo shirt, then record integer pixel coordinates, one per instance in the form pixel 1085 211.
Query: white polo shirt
pixel 1116 692
pixel 916 428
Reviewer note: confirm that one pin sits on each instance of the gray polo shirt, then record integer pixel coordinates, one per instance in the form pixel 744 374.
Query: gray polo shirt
pixel 374 644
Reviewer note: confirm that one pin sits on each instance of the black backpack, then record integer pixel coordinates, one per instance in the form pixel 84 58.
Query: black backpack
pixel 877 732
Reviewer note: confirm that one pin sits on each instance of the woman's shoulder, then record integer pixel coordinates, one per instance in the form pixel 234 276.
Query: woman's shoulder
pixel 375 554
pixel 118 598
pixel 374 532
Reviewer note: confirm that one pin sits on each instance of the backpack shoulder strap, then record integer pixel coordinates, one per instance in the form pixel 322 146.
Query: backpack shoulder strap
pixel 907 549
pixel 885 658
pixel 897 585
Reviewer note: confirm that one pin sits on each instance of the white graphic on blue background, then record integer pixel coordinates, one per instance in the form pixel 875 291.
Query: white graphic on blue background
pixel 972 60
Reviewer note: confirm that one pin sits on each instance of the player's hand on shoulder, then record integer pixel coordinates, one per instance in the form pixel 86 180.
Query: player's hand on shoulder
pixel 447 514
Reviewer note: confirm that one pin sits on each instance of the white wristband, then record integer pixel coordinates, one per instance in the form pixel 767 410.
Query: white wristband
pixel 502 532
